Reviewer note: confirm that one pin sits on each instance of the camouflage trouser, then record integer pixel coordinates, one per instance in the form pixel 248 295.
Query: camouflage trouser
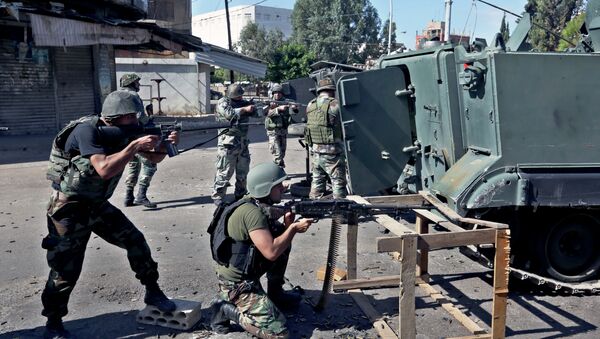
pixel 142 168
pixel 70 224
pixel 332 165
pixel 278 145
pixel 229 159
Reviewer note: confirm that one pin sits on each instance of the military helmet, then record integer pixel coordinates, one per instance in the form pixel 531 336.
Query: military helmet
pixel 263 177
pixel 325 84
pixel 128 79
pixel 235 91
pixel 277 88
pixel 120 103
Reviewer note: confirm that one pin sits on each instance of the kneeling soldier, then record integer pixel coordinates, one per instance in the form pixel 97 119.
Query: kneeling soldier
pixel 247 242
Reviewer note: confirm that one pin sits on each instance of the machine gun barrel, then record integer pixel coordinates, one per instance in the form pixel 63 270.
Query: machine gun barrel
pixel 328 208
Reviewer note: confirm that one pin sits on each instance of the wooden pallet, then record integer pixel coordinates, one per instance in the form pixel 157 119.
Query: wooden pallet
pixel 412 248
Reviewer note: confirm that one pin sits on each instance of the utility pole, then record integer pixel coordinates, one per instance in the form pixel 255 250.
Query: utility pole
pixel 390 28
pixel 448 19
pixel 228 36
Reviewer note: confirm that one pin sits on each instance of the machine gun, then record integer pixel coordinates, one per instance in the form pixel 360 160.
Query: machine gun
pixel 164 130
pixel 338 210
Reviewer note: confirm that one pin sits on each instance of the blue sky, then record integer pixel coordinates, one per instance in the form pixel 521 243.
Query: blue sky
pixel 411 16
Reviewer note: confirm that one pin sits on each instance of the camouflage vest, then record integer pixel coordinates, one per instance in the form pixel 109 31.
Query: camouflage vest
pixel 235 130
pixel 318 128
pixel 75 176
pixel 279 121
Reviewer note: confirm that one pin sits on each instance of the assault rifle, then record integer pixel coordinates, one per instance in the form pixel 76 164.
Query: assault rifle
pixel 338 210
pixel 164 129
pixel 263 105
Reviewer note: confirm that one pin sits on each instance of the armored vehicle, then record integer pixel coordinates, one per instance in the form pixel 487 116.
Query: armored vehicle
pixel 495 133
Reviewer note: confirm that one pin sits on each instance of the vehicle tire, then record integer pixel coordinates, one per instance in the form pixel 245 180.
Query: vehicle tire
pixel 570 250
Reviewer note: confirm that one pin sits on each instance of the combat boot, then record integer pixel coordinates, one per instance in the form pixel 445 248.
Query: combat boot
pixel 142 199
pixel 128 197
pixel 222 312
pixel 154 296
pixel 284 300
pixel 55 330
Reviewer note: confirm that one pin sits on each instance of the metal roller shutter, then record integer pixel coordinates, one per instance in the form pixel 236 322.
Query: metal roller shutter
pixel 26 89
pixel 74 83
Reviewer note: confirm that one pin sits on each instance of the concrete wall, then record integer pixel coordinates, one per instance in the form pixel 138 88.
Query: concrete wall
pixel 212 27
pixel 179 85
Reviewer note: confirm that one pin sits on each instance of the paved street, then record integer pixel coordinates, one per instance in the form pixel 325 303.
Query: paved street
pixel 107 297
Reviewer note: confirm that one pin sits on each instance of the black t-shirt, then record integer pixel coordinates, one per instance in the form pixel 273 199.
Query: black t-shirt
pixel 85 140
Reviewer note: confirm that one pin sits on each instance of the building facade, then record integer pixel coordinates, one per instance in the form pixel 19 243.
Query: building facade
pixel 212 26
pixel 434 31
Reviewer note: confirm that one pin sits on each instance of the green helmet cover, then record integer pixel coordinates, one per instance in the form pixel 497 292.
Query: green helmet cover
pixel 325 84
pixel 277 88
pixel 128 79
pixel 235 91
pixel 263 177
pixel 120 103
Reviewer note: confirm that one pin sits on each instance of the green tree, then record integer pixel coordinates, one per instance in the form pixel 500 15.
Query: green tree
pixel 571 32
pixel 385 35
pixel 290 61
pixel 504 29
pixel 256 42
pixel 343 31
pixel 552 15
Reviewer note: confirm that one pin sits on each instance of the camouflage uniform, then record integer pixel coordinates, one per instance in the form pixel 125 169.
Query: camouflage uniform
pixel 232 149
pixel 258 314
pixel 324 134
pixel 79 206
pixel 139 169
pixel 277 123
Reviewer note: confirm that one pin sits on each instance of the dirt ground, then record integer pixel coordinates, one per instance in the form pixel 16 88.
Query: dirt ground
pixel 105 302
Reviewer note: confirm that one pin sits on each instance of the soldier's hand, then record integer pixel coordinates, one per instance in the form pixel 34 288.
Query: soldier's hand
pixel 295 107
pixel 173 137
pixel 146 143
pixel 272 104
pixel 248 109
pixel 302 225
pixel 288 218
pixel 282 108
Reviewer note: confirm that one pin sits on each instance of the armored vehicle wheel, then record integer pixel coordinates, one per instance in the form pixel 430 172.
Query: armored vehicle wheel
pixel 570 250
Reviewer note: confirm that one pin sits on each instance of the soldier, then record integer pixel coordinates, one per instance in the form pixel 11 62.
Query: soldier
pixel 277 122
pixel 232 146
pixel 85 169
pixel 324 135
pixel 139 170
pixel 258 244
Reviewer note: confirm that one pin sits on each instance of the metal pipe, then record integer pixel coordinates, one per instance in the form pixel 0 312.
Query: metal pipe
pixel 389 50
pixel 448 19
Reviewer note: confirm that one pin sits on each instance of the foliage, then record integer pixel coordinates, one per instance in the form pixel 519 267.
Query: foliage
pixel 385 34
pixel 552 15
pixel 505 29
pixel 256 42
pixel 571 32
pixel 344 31
pixel 289 62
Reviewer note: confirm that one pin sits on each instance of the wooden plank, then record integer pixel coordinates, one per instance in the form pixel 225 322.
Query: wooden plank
pixel 382 328
pixel 435 241
pixel 407 325
pixel 406 199
pixel 386 221
pixel 501 273
pixel 422 227
pixel 477 336
pixel 351 240
pixel 453 216
pixel 453 239
pixel 438 220
pixel 373 282
pixel 450 308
